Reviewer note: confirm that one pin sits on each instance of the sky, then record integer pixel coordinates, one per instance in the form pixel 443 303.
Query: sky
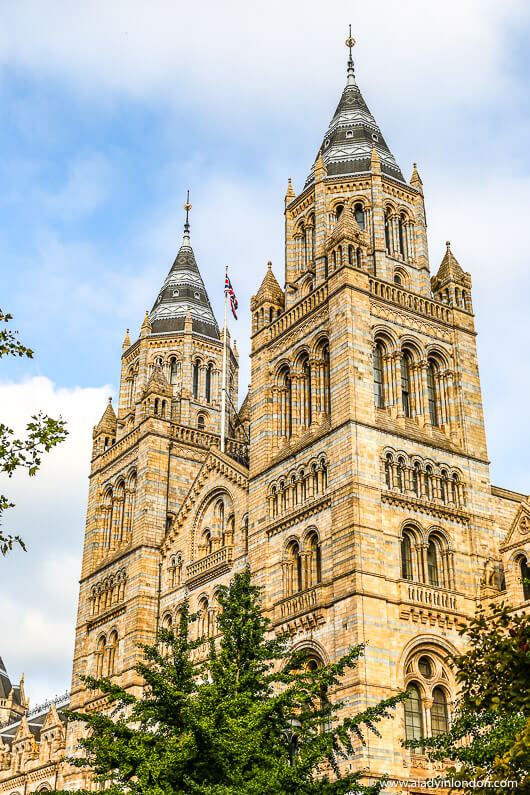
pixel 109 112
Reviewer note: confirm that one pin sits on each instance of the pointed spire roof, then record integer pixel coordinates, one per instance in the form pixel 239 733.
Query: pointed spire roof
pixel 415 179
pixel 347 145
pixel 346 228
pixel 158 383
pixel 108 420
pixel 269 290
pixel 449 270
pixel 183 291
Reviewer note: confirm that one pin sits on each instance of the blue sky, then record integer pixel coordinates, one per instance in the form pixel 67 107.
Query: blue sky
pixel 110 111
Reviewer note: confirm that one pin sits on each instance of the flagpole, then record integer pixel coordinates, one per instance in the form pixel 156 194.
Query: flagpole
pixel 223 393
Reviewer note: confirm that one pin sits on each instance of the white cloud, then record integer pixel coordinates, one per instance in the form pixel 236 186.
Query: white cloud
pixel 38 588
pixel 234 59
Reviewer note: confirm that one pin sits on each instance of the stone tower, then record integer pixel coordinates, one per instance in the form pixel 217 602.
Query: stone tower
pixel 371 514
pixel 145 458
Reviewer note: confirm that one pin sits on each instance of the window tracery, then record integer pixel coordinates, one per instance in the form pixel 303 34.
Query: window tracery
pixel 427 709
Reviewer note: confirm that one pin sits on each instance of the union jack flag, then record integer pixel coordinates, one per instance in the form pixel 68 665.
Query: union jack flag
pixel 229 290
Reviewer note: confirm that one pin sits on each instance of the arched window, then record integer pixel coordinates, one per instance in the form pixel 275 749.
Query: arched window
pixel 274 501
pixel 338 211
pixel 113 650
pixel 173 370
pixel 207 542
pixel 525 578
pixel 315 563
pixel 414 714
pixel 200 422
pixel 387 233
pixel 324 471
pixel 454 489
pixel 359 215
pixel 178 569
pixel 406 557
pixel 202 618
pixel 431 393
pixel 439 712
pixel 388 470
pixel 327 396
pixel 444 486
pixel 379 393
pixel 428 481
pixel 306 409
pixel 397 279
pixel 405 384
pixel 100 656
pixel 156 405
pixel 209 382
pixel 401 236
pixel 196 365
pixel 433 562
pixel 285 402
pixel 416 479
pixel 401 474
pixel 294 568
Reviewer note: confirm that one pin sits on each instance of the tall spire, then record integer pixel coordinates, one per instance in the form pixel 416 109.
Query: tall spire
pixel 350 43
pixel 186 236
pixel 347 146
pixel 183 293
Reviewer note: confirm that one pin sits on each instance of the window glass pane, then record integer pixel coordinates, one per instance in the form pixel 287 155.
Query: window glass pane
pixel 406 558
pixel 405 385
pixel 432 563
pixel 431 395
pixel 378 377
pixel 439 712
pixel 359 215
pixel 425 667
pixel 413 714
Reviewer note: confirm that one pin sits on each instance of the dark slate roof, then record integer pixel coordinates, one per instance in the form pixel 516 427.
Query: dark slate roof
pixel 5 681
pixel 347 145
pixel 184 290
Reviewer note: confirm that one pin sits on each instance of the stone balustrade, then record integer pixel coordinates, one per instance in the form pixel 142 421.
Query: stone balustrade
pixel 298 603
pixel 409 300
pixel 204 567
pixel 427 596
pixel 298 311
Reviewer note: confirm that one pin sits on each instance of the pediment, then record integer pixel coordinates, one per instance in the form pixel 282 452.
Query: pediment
pixel 519 532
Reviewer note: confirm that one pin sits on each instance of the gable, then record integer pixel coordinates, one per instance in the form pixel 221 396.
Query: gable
pixel 519 532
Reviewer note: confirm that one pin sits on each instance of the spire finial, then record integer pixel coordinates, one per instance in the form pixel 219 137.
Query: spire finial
pixel 350 43
pixel 187 207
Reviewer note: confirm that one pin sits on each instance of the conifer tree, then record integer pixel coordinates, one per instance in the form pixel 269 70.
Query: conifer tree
pixel 253 719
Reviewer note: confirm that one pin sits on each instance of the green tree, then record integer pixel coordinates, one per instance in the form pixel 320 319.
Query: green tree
pixel 489 737
pixel 43 433
pixel 229 726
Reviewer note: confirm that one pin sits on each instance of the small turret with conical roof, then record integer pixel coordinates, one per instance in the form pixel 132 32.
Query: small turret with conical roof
pixel 104 433
pixel 268 302
pixel 451 284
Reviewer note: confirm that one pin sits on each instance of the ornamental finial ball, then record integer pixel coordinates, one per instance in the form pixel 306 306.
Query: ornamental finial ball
pixel 448 243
